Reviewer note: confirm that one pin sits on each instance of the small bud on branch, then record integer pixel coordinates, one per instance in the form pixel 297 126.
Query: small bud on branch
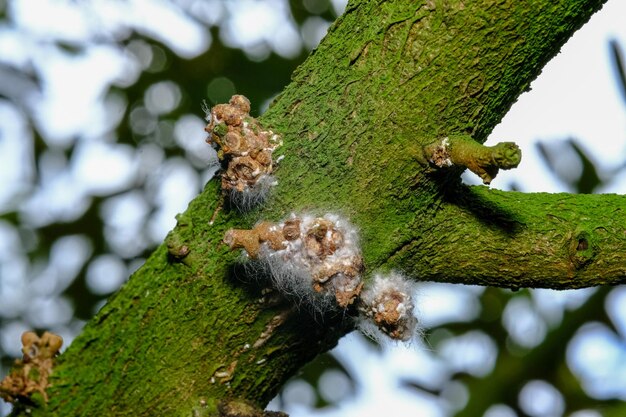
pixel 484 161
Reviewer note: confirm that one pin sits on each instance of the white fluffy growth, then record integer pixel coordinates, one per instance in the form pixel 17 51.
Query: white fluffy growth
pixel 387 307
pixel 319 278
pixel 253 195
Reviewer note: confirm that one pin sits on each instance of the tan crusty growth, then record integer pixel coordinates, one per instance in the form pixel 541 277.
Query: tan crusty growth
pixel 30 375
pixel 244 146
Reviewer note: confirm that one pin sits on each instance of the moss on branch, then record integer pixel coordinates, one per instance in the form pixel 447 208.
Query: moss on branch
pixel 517 240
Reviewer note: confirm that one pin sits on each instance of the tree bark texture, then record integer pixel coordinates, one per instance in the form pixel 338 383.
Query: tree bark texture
pixel 192 327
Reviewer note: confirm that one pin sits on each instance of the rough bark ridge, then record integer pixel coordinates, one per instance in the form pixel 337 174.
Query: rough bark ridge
pixel 391 77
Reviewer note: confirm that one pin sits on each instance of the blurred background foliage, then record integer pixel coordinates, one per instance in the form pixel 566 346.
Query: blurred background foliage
pixel 102 143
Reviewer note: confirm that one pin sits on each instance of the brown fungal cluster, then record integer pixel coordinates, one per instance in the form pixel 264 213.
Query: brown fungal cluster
pixel 243 145
pixel 389 304
pixel 305 253
pixel 30 374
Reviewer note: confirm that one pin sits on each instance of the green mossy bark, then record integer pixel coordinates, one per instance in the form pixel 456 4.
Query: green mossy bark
pixel 389 78
pixel 463 151
pixel 517 240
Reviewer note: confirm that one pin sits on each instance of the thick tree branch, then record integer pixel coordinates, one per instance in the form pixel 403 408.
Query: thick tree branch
pixel 510 239
pixel 389 78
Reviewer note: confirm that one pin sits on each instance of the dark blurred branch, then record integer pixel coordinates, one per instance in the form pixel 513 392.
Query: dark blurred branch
pixel 589 178
pixel 16 85
pixel 620 66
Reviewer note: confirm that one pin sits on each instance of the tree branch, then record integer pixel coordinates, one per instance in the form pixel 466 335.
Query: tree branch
pixel 510 239
pixel 388 78
pixel 484 161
